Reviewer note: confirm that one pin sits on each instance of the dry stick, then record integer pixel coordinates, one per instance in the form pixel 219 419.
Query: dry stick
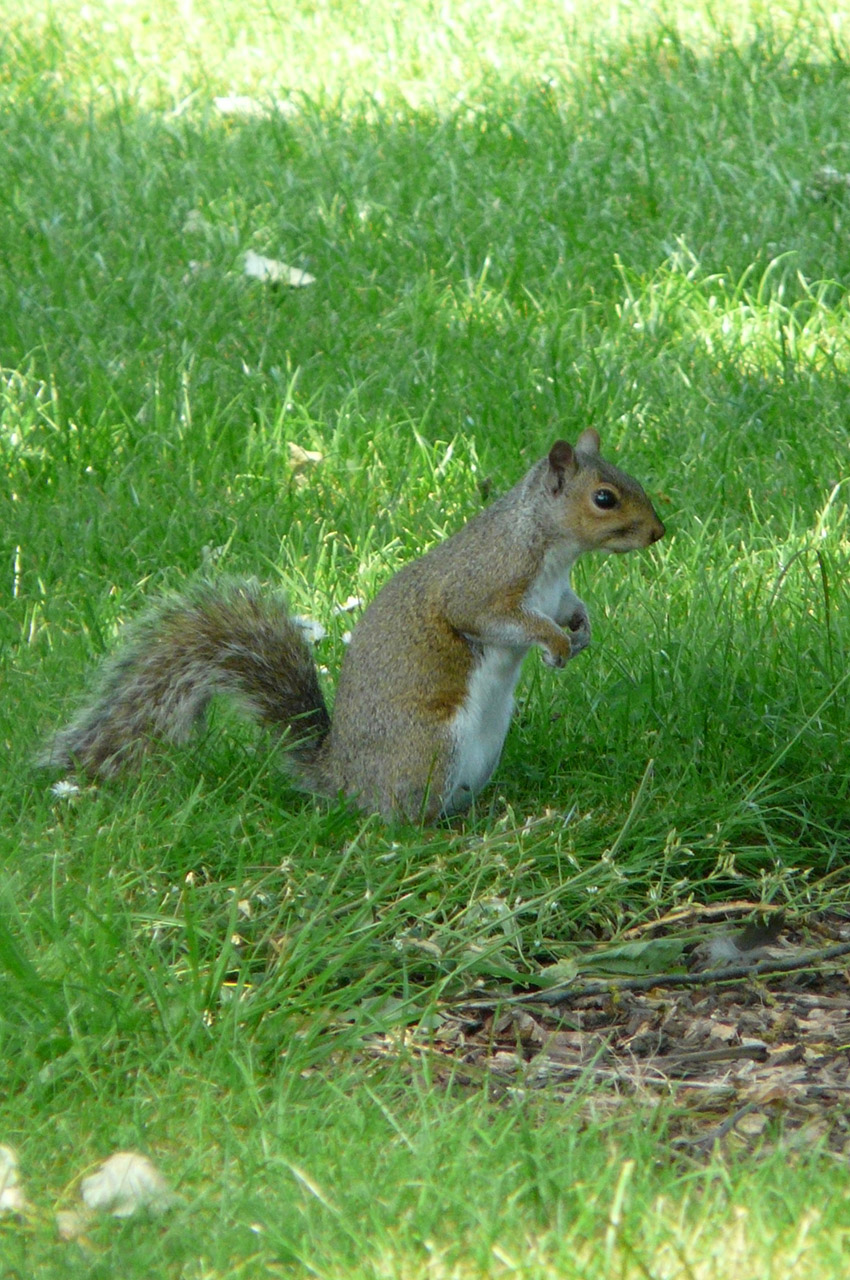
pixel 709 911
pixel 707 1141
pixel 729 973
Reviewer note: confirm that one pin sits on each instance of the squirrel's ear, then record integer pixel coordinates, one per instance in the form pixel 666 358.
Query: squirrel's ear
pixel 588 441
pixel 562 460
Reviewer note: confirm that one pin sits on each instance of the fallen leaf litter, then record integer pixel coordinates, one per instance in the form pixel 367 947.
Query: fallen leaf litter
pixel 725 1058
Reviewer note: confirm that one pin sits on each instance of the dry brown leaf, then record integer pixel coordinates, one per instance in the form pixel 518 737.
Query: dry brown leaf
pixel 240 104
pixel 506 1063
pixel 273 271
pixel 196 224
pixel 827 181
pixel 71 1224
pixel 752 1124
pixel 12 1199
pixel 725 1032
pixel 528 1029
pixel 125 1184
pixel 299 457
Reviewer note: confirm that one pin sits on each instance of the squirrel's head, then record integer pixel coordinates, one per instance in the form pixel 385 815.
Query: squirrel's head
pixel 600 506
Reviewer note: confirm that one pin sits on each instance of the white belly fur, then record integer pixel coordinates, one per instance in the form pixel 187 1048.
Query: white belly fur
pixel 481 724
pixel 550 592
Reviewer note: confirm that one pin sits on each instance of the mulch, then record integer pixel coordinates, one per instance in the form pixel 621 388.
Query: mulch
pixel 725 1057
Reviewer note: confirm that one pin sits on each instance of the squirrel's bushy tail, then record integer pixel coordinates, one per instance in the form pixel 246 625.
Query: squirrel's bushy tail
pixel 215 639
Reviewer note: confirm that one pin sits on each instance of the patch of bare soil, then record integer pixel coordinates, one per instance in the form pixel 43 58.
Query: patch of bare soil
pixel 754 1026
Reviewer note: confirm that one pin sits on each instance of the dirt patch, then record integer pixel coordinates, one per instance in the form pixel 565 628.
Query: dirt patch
pixel 728 1055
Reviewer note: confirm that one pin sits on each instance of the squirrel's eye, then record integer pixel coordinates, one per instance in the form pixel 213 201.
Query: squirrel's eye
pixel 605 499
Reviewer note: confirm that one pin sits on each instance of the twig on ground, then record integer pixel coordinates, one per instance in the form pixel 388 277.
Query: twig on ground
pixel 727 973
pixel 707 1141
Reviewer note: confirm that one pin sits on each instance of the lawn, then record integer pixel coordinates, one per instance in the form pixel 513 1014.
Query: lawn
pixel 521 220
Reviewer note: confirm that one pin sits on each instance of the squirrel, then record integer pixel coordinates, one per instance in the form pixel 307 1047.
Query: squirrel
pixel 425 692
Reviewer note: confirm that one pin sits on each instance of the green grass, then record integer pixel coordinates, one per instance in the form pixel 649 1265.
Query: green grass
pixel 520 224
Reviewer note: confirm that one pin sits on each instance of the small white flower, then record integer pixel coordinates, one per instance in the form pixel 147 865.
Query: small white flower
pixel 126 1183
pixel 349 605
pixel 65 788
pixel 313 630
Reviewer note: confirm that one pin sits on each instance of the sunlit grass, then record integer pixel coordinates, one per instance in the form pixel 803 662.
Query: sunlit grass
pixel 395 55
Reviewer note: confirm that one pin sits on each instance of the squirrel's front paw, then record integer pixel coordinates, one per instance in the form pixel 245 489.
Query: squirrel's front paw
pixel 578 626
pixel 557 655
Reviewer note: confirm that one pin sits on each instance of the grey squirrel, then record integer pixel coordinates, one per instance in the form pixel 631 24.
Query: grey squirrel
pixel 425 694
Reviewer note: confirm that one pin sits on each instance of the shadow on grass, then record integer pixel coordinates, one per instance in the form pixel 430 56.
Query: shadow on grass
pixel 466 262
pixel 635 248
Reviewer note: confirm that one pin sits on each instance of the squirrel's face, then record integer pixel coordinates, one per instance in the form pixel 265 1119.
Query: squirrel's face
pixel 615 517
pixel 601 507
